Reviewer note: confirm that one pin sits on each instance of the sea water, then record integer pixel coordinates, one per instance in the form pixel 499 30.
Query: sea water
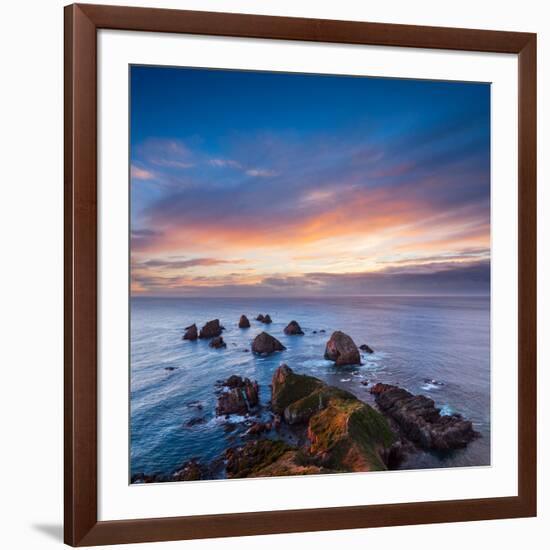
pixel 435 346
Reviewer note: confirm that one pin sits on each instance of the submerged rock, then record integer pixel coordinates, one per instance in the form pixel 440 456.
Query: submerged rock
pixel 265 343
pixel 217 343
pixel 191 333
pixel 365 348
pixel 342 350
pixel 211 329
pixel 293 328
pixel 195 421
pixel 421 421
pixel 244 322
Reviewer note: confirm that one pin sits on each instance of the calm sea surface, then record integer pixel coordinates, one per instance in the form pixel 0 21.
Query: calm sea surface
pixel 414 339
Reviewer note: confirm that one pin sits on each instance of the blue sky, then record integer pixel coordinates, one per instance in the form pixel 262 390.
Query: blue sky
pixel 253 183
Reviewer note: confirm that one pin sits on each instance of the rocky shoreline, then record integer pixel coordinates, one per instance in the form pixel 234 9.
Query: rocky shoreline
pixel 310 427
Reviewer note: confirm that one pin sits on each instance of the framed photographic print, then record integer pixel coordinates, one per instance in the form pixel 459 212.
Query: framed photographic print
pixel 300 274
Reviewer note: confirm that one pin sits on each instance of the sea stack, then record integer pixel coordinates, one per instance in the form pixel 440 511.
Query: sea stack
pixel 293 328
pixel 211 329
pixel 366 348
pixel 244 322
pixel 217 343
pixel 264 343
pixel 342 350
pixel 191 332
pixel 267 319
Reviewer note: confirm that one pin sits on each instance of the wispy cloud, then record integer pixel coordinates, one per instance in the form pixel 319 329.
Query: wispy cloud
pixel 140 173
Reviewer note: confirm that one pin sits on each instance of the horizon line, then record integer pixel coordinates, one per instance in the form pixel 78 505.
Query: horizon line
pixel 476 295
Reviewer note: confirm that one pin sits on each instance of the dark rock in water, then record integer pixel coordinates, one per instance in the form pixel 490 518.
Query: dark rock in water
pixel 195 421
pixel 233 381
pixel 231 402
pixel 190 332
pixel 342 350
pixel 242 397
pixel 229 427
pixel 217 343
pixel 421 421
pixel 314 332
pixel 364 347
pixel 293 328
pixel 244 322
pixel 267 319
pixel 191 470
pixel 364 382
pixel 170 368
pixel 322 331
pixel 260 318
pixel 211 329
pixel 265 343
pixel 267 458
pixel 246 350
pixel 432 381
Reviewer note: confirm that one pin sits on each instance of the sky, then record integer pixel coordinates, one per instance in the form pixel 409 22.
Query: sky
pixel 247 183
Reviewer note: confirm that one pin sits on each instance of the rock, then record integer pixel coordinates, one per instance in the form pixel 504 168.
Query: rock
pixel 170 368
pixel 265 343
pixel 268 458
pixel 322 331
pixel 246 350
pixel 288 387
pixel 241 398
pixel 342 350
pixel 211 329
pixel 145 478
pixel 364 347
pixel 260 318
pixel 195 421
pixel 231 402
pixel 420 421
pixel 258 428
pixel 314 332
pixel 293 328
pixel 191 470
pixel 190 333
pixel 217 343
pixel 244 322
pixel 349 435
pixel 365 382
pixel 267 319
pixel 345 433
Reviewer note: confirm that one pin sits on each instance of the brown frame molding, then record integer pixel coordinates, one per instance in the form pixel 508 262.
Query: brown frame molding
pixel 80 270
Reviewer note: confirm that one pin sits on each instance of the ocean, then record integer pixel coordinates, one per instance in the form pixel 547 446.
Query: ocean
pixel 436 346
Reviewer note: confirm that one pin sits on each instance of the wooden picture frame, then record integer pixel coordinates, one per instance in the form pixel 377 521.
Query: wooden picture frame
pixel 82 22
